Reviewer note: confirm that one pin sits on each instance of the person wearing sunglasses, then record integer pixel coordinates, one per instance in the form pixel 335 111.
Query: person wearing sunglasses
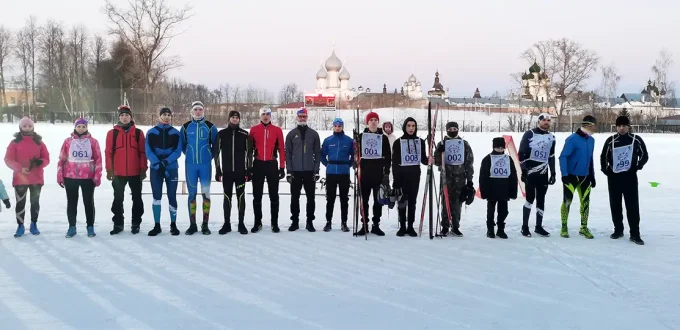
pixel 536 156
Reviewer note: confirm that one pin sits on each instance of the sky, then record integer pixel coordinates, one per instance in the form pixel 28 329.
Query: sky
pixel 473 44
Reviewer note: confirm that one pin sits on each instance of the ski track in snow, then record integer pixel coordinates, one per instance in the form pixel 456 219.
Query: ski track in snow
pixel 332 280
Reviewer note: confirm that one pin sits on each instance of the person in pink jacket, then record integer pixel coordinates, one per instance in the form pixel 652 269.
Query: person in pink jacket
pixel 27 156
pixel 80 167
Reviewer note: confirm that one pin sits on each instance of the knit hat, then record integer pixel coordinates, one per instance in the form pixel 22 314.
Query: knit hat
pixel 124 109
pixel 498 142
pixel 338 122
pixel 622 121
pixel 544 116
pixel 372 115
pixel 25 121
pixel 197 105
pixel 234 113
pixel 80 121
pixel 165 110
pixel 302 111
pixel 451 124
pixel 588 121
pixel 265 111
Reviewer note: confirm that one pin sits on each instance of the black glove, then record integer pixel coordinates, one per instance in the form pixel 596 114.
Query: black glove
pixel 639 167
pixel 471 184
pixel 289 178
pixel 249 175
pixel 316 177
pixel 523 176
pixel 36 162
pixel 61 184
pixel 109 175
pixel 142 175
pixel 162 165
pixel 592 181
pixel 354 165
pixel 440 147
pixel 282 173
pixel 552 180
pixel 218 175
pixel 7 203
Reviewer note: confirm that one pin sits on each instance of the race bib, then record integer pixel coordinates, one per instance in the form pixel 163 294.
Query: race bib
pixel 500 166
pixel 622 158
pixel 454 152
pixel 80 151
pixel 540 146
pixel 410 152
pixel 371 146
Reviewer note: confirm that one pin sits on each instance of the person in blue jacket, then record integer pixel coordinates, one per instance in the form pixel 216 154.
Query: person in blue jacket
pixel 337 155
pixel 578 174
pixel 163 149
pixel 199 144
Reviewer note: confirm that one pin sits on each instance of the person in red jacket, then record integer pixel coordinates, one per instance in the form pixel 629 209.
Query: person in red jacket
pixel 267 140
pixel 27 156
pixel 126 165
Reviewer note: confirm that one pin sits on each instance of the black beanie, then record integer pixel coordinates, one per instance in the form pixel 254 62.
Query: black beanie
pixel 234 113
pixel 451 124
pixel 622 121
pixel 589 121
pixel 165 110
pixel 498 142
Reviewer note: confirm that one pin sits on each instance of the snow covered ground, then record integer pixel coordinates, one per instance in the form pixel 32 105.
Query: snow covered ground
pixel 332 280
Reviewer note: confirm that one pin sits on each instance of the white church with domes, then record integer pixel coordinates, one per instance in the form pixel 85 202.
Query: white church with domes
pixel 333 78
pixel 412 88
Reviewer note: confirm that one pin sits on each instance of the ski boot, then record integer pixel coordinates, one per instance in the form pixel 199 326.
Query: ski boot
pixel 226 228
pixel 489 232
pixel 34 228
pixel 637 240
pixel 310 226
pixel 242 228
pixel 584 231
pixel 116 230
pixel 616 235
pixel 193 229
pixel 134 229
pixel 328 226
pixel 362 231
pixel 343 227
pixel 257 227
pixel 402 229
pixel 204 229
pixel 20 231
pixel 90 231
pixel 444 232
pixel 525 231
pixel 71 231
pixel 275 226
pixel 156 230
pixel 173 229
pixel 376 230
pixel 541 232
pixel 294 226
pixel 456 232
pixel 564 232
pixel 411 231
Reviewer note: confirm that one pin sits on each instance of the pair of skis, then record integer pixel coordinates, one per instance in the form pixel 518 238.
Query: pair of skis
pixel 358 203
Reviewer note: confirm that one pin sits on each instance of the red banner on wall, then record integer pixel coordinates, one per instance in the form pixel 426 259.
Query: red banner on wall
pixel 320 100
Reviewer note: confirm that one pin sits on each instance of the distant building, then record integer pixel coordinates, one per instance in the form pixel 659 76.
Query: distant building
pixel 536 84
pixel 15 97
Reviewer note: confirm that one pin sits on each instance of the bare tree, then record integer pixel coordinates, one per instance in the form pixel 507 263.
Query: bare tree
pixel 542 53
pixel 149 27
pixel 23 53
pixel 6 47
pixel 98 55
pixel 32 33
pixel 290 93
pixel 610 81
pixel 660 69
pixel 236 94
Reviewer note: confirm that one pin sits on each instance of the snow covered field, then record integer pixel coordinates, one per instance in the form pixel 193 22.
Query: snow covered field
pixel 332 280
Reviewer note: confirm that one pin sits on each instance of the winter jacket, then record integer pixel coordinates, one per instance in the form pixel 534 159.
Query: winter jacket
pixel 638 160
pixel 376 167
pixel 532 141
pixel 3 191
pixel 391 138
pixel 129 156
pixel 199 142
pixel 457 174
pixel 163 143
pixel 337 153
pixel 268 142
pixel 494 188
pixel 234 149
pixel 577 155
pixel 303 150
pixel 412 142
pixel 80 158
pixel 27 151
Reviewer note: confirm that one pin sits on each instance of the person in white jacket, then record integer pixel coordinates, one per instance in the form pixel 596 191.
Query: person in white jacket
pixel 388 130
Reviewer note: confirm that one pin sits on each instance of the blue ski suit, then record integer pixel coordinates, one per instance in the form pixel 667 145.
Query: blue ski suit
pixel 163 149
pixel 199 146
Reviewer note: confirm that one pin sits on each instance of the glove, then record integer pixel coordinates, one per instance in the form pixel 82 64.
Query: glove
pixel 592 181
pixel 97 182
pixel 354 165
pixel 639 167
pixel 471 185
pixel 316 177
pixel 249 175
pixel 523 176
pixel 282 173
pixel 142 175
pixel 386 179
pixel 440 147
pixel 61 184
pixel 7 203
pixel 551 181
pixel 109 175
pixel 36 162
pixel 289 178
pixel 161 166
pixel 607 172
pixel 218 176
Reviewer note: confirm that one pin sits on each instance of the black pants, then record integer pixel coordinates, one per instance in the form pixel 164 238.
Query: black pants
pixel 409 184
pixel 536 188
pixel 368 186
pixel 228 181
pixel 333 182
pixel 626 185
pixel 20 193
pixel 300 180
pixel 119 183
pixel 268 170
pixel 72 186
pixel 502 213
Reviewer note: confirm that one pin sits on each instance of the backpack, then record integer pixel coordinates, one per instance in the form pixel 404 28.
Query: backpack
pixel 115 138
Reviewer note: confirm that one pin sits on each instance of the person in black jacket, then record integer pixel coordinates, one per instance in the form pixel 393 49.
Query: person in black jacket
pixel 536 156
pixel 235 168
pixel 376 159
pixel 622 156
pixel 408 153
pixel 497 184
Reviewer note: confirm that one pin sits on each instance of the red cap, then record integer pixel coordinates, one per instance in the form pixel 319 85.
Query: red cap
pixel 372 115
